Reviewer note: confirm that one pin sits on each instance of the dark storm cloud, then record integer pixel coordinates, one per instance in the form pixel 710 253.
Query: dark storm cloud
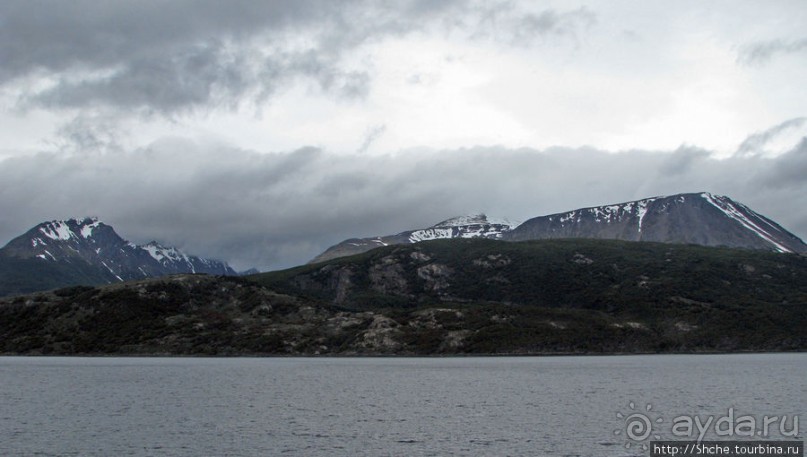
pixel 169 57
pixel 280 209
pixel 203 75
pixel 762 52
pixel 57 36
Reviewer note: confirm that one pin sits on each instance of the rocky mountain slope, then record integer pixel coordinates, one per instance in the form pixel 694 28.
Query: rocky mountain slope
pixel 473 226
pixel 695 218
pixel 461 296
pixel 87 251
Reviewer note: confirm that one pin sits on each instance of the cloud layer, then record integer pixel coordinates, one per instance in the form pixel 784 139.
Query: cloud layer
pixel 263 132
pixel 152 57
pixel 281 209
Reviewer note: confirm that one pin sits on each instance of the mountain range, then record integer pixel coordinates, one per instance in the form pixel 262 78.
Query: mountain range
pixel 87 251
pixel 690 218
pixel 573 282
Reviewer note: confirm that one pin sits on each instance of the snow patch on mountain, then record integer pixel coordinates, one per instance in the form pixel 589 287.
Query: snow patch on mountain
pixel 739 214
pixel 641 207
pixel 90 240
pixel 57 230
pixel 473 219
pixel 430 234
pixel 470 226
pixel 159 252
pixel 86 229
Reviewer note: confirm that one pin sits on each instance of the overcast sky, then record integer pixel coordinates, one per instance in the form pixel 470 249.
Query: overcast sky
pixel 263 132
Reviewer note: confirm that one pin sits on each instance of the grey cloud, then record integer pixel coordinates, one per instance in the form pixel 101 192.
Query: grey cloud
pixel 325 70
pixel 505 22
pixel 790 170
pixel 89 134
pixel 163 84
pixel 275 210
pixel 202 76
pixel 152 57
pixel 552 22
pixel 168 57
pixel 762 52
pixel 682 160
pixel 756 142
pixel 88 34
pixel 373 133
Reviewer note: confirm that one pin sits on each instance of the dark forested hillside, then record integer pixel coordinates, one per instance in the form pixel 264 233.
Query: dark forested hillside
pixel 607 275
pixel 440 297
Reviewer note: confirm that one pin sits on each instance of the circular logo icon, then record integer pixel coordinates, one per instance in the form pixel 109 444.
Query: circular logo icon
pixel 637 426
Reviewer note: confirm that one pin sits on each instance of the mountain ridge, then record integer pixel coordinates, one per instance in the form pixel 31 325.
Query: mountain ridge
pixel 85 250
pixel 686 218
pixel 469 226
pixel 690 218
pixel 90 249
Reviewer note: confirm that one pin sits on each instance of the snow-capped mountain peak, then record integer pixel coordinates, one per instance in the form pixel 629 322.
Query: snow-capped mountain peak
pixel 89 243
pixel 458 221
pixel 66 229
pixel 56 230
pixel 469 226
pixel 88 225
pixel 161 253
pixel 474 219
pixel 696 218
